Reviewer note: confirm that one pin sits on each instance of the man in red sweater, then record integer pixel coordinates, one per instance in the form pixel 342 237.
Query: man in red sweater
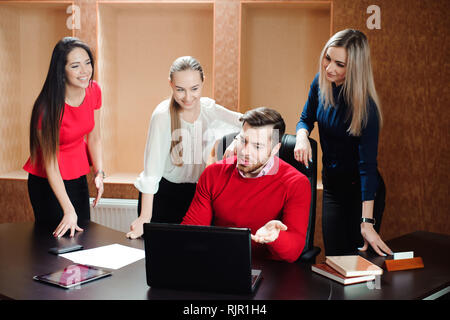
pixel 255 189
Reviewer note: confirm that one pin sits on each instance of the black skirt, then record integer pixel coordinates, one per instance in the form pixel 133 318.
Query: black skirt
pixel 342 210
pixel 171 202
pixel 46 207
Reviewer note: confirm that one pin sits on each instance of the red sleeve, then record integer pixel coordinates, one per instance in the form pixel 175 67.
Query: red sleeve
pixel 290 243
pixel 200 211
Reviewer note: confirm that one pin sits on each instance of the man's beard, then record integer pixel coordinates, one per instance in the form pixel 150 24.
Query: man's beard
pixel 252 169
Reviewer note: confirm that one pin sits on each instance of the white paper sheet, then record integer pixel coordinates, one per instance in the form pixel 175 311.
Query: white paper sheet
pixel 114 256
pixel 403 255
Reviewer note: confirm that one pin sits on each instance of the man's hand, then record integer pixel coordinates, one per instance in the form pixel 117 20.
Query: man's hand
pixel 269 232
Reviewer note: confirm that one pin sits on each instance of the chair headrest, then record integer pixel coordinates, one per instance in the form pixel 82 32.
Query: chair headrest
pixel 286 153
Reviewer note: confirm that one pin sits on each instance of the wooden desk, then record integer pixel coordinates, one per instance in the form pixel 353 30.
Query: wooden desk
pixel 23 254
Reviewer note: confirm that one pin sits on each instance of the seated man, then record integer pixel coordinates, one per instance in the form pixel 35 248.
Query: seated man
pixel 255 189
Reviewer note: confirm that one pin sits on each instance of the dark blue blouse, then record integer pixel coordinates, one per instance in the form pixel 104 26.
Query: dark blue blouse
pixel 343 154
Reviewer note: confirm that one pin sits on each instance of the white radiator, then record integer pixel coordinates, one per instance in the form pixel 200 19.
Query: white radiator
pixel 116 214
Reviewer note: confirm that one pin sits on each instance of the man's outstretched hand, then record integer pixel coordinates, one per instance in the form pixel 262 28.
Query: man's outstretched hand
pixel 269 232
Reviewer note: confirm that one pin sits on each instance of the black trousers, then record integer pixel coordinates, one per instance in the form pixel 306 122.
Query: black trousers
pixel 46 208
pixel 342 211
pixel 171 202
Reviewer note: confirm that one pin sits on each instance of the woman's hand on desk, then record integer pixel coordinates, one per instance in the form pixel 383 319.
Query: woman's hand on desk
pixel 371 237
pixel 68 222
pixel 269 232
pixel 136 228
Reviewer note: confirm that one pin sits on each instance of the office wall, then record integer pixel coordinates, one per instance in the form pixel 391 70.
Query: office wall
pixel 409 56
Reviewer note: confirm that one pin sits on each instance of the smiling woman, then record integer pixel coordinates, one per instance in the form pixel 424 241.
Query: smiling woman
pixel 78 74
pixel 182 133
pixel 64 114
pixel 344 103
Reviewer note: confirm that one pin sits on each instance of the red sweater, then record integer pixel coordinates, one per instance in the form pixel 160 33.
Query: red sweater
pixel 224 198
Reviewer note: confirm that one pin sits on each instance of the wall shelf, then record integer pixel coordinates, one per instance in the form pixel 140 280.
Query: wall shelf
pixel 137 43
pixel 280 45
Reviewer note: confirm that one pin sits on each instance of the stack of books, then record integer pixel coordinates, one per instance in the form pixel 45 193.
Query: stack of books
pixel 348 269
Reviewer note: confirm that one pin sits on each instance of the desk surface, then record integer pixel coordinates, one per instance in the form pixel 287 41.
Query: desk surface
pixel 23 254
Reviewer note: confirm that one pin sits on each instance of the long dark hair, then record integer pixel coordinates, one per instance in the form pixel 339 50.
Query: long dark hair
pixel 48 108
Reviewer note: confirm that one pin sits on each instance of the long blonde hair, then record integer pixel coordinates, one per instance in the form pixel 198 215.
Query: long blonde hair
pixel 176 149
pixel 358 85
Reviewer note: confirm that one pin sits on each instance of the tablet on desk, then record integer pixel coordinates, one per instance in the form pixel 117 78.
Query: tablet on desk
pixel 73 275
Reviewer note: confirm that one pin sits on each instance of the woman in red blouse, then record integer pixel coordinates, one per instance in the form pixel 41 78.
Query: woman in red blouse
pixel 63 135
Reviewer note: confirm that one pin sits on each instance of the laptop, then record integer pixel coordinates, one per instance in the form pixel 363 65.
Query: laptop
pixel 204 258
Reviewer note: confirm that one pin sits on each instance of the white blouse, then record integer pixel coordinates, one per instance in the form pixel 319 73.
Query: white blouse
pixel 198 140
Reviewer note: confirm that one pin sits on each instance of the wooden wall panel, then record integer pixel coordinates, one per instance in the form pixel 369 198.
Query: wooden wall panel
pixel 9 88
pixel 14 201
pixel 226 53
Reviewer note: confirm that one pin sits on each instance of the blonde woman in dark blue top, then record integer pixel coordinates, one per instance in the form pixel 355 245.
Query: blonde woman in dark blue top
pixel 344 103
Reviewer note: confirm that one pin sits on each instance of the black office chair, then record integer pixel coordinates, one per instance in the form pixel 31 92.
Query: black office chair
pixel 286 153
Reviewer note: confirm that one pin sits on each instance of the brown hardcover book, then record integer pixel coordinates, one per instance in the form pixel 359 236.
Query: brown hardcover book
pixel 353 266
pixel 329 272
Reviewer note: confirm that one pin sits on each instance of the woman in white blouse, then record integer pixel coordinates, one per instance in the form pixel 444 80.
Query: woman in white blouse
pixel 182 133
